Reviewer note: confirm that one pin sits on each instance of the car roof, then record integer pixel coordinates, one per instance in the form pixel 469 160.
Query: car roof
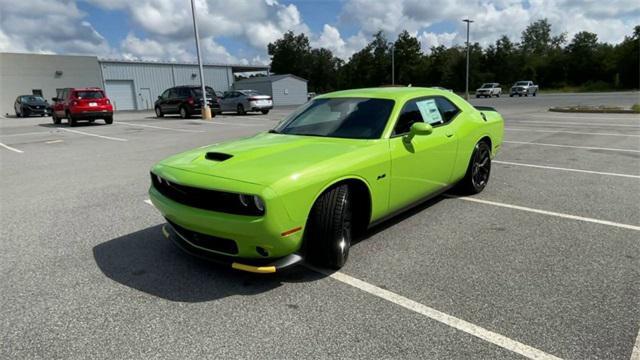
pixel 393 93
pixel 86 89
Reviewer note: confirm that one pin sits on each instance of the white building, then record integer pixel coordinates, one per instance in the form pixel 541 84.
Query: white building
pixel 285 89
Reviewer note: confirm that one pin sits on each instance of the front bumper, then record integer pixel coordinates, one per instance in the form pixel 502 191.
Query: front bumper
pixel 260 266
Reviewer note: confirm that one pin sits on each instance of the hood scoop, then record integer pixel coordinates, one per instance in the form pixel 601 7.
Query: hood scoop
pixel 216 156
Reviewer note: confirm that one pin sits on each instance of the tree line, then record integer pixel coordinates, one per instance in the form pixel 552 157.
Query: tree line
pixel 550 61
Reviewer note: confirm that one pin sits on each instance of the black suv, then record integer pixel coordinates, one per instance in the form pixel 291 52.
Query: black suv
pixel 185 100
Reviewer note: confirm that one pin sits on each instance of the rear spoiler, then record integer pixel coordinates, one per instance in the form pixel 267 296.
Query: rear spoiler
pixel 485 108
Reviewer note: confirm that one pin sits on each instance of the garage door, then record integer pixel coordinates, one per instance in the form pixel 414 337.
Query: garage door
pixel 121 94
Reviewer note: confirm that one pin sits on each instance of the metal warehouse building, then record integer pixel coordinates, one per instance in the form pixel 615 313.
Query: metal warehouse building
pixel 285 89
pixel 131 85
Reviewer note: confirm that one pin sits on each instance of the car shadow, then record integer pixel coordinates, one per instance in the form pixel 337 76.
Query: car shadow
pixel 146 261
pixel 79 124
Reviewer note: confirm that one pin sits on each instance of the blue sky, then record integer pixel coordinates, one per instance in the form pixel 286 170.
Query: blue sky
pixel 238 31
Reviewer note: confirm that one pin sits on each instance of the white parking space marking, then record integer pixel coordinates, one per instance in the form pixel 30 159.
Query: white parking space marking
pixel 221 123
pixel 545 212
pixel 53 141
pixel 594 116
pixel 573 123
pixel 566 169
pixel 148 202
pixel 11 148
pixel 158 127
pixel 459 324
pixel 635 353
pixel 569 132
pixel 570 146
pixel 90 134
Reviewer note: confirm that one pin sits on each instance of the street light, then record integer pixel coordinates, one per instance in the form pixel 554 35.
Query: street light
pixel 468 21
pixel 206 111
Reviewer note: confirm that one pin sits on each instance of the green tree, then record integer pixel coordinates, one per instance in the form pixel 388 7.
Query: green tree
pixel 290 55
pixel 408 56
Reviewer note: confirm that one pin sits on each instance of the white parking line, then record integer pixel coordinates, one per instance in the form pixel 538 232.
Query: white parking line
pixel 148 202
pixel 221 123
pixel 158 127
pixel 635 353
pixel 54 141
pixel 569 132
pixel 595 116
pixel 573 123
pixel 566 169
pixel 11 148
pixel 28 133
pixel 456 323
pixel 571 146
pixel 89 134
pixel 545 212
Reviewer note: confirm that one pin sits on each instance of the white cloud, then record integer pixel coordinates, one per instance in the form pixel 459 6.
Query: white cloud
pixel 430 39
pixel 331 39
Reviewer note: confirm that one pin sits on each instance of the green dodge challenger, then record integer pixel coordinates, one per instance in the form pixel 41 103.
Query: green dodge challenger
pixel 339 164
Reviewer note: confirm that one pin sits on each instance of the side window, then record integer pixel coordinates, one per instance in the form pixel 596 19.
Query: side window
pixel 172 93
pixel 410 114
pixel 165 94
pixel 447 110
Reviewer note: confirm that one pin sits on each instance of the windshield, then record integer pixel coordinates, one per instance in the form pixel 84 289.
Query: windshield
pixel 31 98
pixel 352 118
pixel 89 94
pixel 249 92
pixel 522 83
pixel 487 86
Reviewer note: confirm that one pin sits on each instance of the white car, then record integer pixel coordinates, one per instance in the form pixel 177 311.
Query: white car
pixel 242 101
pixel 489 90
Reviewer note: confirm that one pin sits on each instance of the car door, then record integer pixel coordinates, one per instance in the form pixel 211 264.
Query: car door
pixel 171 104
pixel 162 101
pixel 424 165
pixel 227 101
pixel 58 105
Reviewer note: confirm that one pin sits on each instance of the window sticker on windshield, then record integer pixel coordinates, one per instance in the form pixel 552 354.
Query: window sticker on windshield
pixel 429 111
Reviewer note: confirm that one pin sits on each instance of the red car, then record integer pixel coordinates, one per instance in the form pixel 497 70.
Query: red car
pixel 76 104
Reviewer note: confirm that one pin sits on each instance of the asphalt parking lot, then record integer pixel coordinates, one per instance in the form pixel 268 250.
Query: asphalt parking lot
pixel 544 263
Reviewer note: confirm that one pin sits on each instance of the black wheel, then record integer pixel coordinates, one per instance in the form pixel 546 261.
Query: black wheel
pixel 56 120
pixel 328 233
pixel 240 110
pixel 159 112
pixel 265 112
pixel 519 95
pixel 108 120
pixel 497 95
pixel 478 171
pixel 534 94
pixel 71 120
pixel 41 115
pixel 477 96
pixel 183 112
pixel 527 95
pixel 510 95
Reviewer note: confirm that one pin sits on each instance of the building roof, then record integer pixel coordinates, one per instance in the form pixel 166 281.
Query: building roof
pixel 270 78
pixel 234 67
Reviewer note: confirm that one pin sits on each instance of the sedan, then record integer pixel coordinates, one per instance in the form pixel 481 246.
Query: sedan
pixel 338 165
pixel 242 101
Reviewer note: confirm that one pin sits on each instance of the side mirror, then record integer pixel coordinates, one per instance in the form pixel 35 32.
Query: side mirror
pixel 418 128
pixel 159 97
pixel 54 99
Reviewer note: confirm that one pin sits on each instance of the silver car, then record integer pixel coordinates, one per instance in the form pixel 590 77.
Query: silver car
pixel 242 101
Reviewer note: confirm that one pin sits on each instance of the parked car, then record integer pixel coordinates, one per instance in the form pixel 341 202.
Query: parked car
pixel 27 105
pixel 242 101
pixel 337 166
pixel 75 104
pixel 489 90
pixel 525 88
pixel 185 100
pixel 311 95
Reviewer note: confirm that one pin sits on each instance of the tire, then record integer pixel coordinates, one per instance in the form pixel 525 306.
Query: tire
pixel 240 109
pixel 477 96
pixel 519 95
pixel 184 113
pixel 72 122
pixel 328 235
pixel 41 115
pixel 159 113
pixel 498 95
pixel 478 170
pixel 510 95
pixel 535 93
pixel 56 120
pixel 264 112
pixel 18 114
pixel 108 120
pixel 527 95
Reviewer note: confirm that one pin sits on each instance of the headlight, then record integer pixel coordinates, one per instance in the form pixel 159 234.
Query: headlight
pixel 253 203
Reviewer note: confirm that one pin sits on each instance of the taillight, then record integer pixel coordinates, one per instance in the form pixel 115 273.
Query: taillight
pixel 108 102
pixel 190 100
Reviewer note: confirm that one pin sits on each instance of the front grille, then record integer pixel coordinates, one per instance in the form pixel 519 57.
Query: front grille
pixel 205 199
pixel 205 241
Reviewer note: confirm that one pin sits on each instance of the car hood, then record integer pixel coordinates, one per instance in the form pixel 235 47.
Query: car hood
pixel 265 158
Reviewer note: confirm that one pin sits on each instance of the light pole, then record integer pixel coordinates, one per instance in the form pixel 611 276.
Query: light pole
pixel 393 63
pixel 206 111
pixel 468 21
